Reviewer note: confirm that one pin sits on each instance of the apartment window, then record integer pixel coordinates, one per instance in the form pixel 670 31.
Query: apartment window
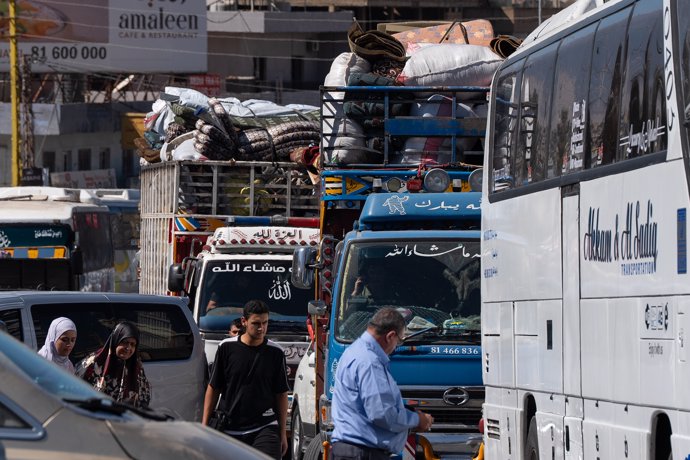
pixel 67 161
pixel 104 158
pixel 84 160
pixel 49 160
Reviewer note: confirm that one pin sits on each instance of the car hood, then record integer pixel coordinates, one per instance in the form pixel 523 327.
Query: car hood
pixel 173 439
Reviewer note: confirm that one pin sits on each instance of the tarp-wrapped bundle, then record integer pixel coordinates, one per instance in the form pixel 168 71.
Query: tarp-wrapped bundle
pixel 185 124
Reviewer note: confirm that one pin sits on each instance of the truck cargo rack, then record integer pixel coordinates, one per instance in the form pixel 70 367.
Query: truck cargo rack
pixel 377 120
pixel 220 188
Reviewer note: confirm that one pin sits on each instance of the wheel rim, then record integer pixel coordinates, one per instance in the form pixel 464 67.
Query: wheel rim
pixel 296 437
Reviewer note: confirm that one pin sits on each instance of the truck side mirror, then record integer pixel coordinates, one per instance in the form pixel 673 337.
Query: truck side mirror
pixel 77 261
pixel 316 307
pixel 175 278
pixel 302 267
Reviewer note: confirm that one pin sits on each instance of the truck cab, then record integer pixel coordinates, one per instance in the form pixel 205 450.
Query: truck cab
pixel 240 263
pixel 400 226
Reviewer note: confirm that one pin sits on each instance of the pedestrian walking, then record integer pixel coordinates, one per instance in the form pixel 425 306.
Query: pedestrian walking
pixel 249 372
pixel 60 341
pixel 369 416
pixel 116 369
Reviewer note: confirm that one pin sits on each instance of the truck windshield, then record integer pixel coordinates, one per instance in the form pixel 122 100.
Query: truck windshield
pixel 229 284
pixel 434 284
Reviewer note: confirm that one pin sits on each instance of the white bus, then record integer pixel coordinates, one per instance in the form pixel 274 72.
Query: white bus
pixel 52 239
pixel 585 287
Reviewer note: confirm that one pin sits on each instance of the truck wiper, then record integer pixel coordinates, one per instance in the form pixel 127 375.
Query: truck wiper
pixel 439 333
pixel 117 408
pixel 423 333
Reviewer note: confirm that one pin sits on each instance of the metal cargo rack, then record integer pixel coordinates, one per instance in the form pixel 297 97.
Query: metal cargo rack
pixel 218 188
pixel 389 127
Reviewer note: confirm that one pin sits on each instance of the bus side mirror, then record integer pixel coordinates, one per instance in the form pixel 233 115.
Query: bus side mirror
pixel 175 278
pixel 303 267
pixel 77 261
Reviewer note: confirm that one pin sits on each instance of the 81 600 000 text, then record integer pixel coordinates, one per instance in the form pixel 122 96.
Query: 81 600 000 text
pixel 69 52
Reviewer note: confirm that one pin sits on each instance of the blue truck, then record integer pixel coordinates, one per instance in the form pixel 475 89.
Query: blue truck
pixel 406 235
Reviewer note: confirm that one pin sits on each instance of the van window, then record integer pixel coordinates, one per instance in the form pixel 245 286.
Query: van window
pixel 9 419
pixel 165 330
pixel 13 321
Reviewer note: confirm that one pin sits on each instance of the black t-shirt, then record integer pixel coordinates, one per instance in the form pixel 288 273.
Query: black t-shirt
pixel 257 404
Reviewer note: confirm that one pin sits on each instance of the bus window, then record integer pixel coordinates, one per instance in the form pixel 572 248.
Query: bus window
pixel 537 84
pixel 94 239
pixel 505 127
pixel 683 11
pixel 643 109
pixel 569 139
pixel 605 87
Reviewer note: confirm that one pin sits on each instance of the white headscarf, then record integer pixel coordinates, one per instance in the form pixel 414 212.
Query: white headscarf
pixel 58 327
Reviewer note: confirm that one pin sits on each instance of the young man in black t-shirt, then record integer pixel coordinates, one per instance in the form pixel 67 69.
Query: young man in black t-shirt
pixel 250 372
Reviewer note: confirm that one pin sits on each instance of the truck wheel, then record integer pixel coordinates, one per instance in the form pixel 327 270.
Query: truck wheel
pixel 532 445
pixel 296 439
pixel 314 449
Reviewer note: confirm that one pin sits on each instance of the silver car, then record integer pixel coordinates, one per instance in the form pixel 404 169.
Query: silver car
pixel 46 412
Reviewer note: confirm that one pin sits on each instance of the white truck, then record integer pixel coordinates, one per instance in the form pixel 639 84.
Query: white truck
pixel 223 233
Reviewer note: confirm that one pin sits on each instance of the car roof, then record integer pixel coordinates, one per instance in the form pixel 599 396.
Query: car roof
pixel 78 296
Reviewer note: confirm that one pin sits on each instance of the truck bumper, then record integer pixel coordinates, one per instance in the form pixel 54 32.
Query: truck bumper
pixel 449 446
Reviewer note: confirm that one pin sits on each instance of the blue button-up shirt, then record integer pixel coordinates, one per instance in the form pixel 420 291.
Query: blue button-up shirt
pixel 367 405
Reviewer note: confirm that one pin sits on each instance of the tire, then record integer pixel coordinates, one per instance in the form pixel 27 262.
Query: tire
pixel 296 437
pixel 314 449
pixel 532 444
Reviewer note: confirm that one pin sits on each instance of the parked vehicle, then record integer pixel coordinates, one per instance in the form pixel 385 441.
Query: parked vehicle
pixel 46 412
pixel 52 239
pixel 170 344
pixel 412 230
pixel 123 206
pixel 584 215
pixel 49 235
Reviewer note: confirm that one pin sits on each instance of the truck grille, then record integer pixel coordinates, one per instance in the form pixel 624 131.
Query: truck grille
pixel 460 410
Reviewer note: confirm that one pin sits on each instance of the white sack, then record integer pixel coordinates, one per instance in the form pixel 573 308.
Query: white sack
pixel 450 65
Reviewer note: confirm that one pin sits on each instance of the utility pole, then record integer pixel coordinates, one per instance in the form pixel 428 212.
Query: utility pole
pixel 14 83
pixel 27 154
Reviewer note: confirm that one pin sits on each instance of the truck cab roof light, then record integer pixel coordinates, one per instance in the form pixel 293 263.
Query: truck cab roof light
pixel 221 242
pixel 271 242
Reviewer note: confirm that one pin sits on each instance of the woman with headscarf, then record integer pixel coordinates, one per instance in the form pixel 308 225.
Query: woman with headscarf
pixel 62 335
pixel 116 369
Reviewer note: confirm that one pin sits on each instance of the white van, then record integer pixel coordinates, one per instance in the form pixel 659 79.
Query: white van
pixel 170 343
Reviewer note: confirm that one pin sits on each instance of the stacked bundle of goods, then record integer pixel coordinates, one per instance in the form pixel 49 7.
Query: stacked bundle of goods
pixel 186 125
pixel 451 54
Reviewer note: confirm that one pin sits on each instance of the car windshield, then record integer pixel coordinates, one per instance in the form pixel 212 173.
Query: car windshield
pixel 44 373
pixel 229 284
pixel 434 284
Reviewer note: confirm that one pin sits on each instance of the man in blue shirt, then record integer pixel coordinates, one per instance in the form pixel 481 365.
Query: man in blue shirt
pixel 371 421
